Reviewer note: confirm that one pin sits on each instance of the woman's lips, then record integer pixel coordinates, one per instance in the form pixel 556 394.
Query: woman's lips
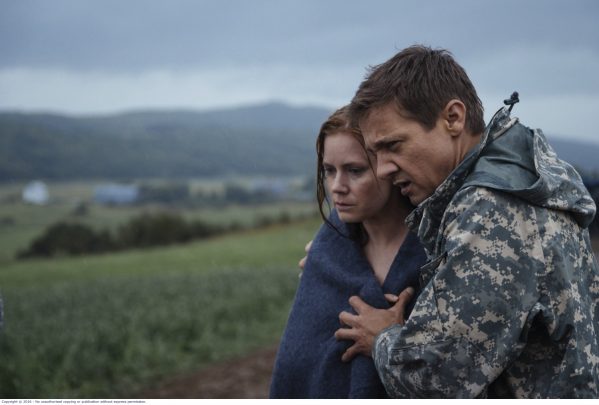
pixel 342 206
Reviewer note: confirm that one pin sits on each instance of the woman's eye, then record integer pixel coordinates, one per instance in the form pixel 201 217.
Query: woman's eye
pixel 328 171
pixel 357 170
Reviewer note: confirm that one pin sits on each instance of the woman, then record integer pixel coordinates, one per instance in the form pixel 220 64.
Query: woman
pixel 362 249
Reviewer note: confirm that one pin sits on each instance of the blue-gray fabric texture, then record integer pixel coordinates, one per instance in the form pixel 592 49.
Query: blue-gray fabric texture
pixel 308 363
pixel 509 305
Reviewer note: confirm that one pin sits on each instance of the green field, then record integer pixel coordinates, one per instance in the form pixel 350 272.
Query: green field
pixel 110 325
pixel 105 326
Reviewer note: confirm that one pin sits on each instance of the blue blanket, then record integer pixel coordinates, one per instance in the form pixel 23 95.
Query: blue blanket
pixel 308 363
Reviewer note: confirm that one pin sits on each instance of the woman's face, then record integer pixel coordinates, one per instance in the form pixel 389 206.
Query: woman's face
pixel 356 192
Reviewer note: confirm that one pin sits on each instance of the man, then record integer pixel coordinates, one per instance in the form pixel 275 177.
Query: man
pixel 510 297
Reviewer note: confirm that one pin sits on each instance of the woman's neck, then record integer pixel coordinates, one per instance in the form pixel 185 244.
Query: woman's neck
pixel 388 227
pixel 386 233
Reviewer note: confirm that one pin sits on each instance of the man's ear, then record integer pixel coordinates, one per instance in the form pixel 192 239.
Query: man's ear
pixel 454 117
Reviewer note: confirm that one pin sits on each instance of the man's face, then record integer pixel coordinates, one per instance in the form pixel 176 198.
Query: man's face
pixel 414 159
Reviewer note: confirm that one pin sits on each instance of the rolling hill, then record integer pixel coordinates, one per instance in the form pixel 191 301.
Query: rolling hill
pixel 268 139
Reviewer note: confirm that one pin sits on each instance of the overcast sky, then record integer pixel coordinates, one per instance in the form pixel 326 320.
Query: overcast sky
pixel 102 56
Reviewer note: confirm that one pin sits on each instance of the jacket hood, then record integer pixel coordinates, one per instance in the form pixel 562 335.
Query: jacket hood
pixel 514 159
pixel 520 161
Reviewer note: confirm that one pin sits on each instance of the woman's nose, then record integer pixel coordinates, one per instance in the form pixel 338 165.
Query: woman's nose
pixel 339 184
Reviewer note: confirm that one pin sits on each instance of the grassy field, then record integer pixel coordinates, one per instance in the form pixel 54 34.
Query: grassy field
pixel 105 326
pixel 109 325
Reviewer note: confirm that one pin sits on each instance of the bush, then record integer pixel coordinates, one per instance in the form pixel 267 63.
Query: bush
pixel 200 229
pixel 145 230
pixel 161 229
pixel 152 230
pixel 66 238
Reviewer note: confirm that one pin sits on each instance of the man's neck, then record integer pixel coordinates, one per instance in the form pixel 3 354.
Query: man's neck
pixel 469 142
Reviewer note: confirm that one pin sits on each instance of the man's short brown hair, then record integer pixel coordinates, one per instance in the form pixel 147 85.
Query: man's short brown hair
pixel 421 81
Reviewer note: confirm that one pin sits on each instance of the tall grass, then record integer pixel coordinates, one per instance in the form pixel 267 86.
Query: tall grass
pixel 106 326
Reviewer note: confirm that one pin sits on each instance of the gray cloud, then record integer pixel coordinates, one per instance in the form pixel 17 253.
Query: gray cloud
pixel 87 56
pixel 134 35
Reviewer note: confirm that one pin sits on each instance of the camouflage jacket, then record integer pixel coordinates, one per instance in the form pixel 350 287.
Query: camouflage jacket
pixel 509 306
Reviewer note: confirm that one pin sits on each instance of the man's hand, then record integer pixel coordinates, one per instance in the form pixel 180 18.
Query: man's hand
pixel 369 322
pixel 302 262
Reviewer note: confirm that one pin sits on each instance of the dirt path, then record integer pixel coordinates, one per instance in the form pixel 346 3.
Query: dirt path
pixel 245 377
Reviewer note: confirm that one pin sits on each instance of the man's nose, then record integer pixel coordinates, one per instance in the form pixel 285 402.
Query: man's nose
pixel 384 168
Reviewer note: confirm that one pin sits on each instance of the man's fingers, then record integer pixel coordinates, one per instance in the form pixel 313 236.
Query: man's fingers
pixel 350 353
pixel 405 297
pixel 345 334
pixel 407 294
pixel 392 298
pixel 402 302
pixel 347 319
pixel 302 262
pixel 358 305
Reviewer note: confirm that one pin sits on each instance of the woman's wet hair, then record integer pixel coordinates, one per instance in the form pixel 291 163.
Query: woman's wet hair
pixel 338 122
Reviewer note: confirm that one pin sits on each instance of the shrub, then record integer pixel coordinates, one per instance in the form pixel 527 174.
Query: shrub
pixel 66 238
pixel 151 230
pixel 145 230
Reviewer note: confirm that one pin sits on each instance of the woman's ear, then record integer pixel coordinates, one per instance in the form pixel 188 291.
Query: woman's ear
pixel 454 117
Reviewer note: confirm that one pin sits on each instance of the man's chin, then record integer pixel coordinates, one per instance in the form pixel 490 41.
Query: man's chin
pixel 415 199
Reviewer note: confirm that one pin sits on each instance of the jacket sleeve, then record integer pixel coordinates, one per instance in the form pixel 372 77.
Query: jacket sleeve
pixel 468 321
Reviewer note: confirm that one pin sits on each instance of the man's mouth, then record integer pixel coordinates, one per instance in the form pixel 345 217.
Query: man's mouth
pixel 404 186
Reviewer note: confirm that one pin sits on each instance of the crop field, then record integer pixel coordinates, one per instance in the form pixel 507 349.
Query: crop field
pixel 107 326
pixel 103 326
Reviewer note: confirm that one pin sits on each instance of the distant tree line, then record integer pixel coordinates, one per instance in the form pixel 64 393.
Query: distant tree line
pixel 178 193
pixel 147 230
pixel 67 238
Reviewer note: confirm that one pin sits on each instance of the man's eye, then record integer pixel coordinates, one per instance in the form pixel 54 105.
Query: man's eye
pixel 392 145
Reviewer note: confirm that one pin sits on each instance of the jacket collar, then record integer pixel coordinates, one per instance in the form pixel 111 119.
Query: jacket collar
pixel 426 218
